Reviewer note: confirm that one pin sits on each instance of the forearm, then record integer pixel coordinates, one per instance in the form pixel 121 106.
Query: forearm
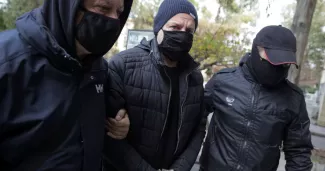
pixel 298 160
pixel 298 152
pixel 123 156
pixel 298 147
pixel 297 144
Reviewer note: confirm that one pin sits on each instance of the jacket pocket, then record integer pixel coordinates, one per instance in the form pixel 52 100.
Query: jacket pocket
pixel 211 133
pixel 269 127
pixel 270 159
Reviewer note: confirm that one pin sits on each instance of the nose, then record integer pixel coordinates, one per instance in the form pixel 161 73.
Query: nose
pixel 113 15
pixel 183 28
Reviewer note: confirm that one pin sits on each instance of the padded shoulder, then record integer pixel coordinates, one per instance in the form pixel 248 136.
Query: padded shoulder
pixel 295 88
pixel 11 46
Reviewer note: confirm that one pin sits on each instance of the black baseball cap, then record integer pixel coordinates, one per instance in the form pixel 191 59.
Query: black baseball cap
pixel 279 43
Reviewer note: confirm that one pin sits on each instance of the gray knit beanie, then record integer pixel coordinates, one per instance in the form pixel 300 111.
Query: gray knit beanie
pixel 170 8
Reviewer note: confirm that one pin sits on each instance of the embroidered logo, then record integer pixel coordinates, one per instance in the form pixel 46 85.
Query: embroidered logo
pixel 230 100
pixel 99 88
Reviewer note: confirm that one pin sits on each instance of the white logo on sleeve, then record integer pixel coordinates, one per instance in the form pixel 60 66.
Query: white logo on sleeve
pixel 99 88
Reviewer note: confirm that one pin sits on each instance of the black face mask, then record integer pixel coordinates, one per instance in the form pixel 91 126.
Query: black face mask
pixel 176 44
pixel 264 72
pixel 96 32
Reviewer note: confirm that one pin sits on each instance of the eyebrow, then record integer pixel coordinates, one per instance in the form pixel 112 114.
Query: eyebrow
pixel 104 3
pixel 108 4
pixel 173 22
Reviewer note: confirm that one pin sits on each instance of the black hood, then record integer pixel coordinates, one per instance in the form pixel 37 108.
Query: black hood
pixel 51 29
pixel 243 65
pixel 244 59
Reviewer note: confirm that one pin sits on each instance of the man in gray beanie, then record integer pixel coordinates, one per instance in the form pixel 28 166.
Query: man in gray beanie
pixel 158 84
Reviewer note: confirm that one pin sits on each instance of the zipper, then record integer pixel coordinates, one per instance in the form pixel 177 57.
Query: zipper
pixel 170 94
pixel 180 114
pixel 253 98
pixel 242 152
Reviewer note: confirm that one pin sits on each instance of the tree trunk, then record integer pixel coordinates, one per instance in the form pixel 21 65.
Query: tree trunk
pixel 300 27
pixel 321 116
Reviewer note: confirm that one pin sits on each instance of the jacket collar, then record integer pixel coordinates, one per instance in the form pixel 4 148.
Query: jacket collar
pixel 248 76
pixel 244 68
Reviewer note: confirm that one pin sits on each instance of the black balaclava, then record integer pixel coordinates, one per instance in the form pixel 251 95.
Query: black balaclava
pixel 263 71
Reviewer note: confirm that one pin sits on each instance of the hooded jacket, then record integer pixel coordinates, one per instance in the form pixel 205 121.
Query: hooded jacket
pixel 142 86
pixel 52 107
pixel 251 124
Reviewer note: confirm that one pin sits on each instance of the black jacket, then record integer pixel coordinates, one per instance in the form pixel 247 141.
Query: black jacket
pixel 250 124
pixel 52 108
pixel 140 84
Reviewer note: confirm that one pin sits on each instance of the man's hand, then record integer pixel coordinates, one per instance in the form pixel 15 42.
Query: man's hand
pixel 118 127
